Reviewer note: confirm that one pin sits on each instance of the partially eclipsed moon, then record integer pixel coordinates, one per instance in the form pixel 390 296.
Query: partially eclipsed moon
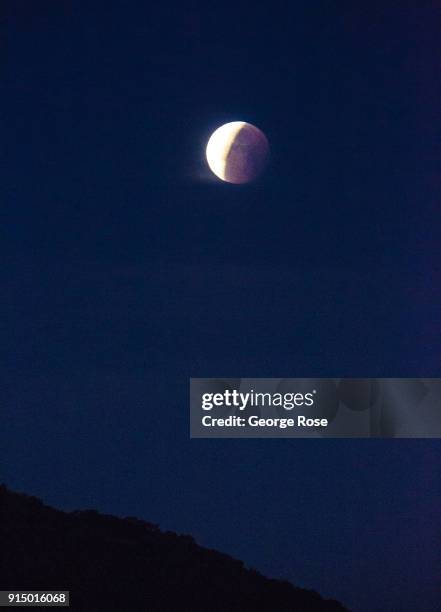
pixel 237 152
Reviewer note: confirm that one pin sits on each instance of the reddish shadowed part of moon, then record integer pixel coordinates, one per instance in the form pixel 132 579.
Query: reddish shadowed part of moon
pixel 237 152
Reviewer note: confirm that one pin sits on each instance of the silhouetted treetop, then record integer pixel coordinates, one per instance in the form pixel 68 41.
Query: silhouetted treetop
pixel 123 565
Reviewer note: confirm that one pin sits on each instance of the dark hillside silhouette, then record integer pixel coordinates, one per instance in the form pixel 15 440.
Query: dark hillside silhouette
pixel 124 565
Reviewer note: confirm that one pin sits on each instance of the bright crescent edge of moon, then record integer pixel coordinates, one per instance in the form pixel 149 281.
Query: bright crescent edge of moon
pixel 219 146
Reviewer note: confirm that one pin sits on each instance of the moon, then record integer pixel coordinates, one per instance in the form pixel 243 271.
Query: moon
pixel 237 152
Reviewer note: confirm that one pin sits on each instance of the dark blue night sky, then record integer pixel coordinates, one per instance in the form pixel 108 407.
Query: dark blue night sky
pixel 126 269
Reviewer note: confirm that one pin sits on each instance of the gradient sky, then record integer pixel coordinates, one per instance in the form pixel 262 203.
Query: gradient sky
pixel 127 268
